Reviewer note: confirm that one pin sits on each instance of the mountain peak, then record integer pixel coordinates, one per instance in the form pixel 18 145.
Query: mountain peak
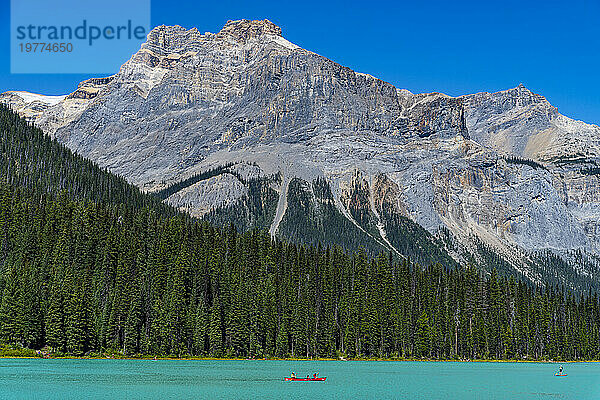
pixel 165 39
pixel 518 96
pixel 522 89
pixel 244 29
pixel 526 97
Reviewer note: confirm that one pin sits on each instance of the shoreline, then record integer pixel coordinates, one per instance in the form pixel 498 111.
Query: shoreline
pixel 294 359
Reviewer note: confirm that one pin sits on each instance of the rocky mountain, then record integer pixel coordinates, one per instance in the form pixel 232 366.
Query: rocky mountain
pixel 314 151
pixel 29 105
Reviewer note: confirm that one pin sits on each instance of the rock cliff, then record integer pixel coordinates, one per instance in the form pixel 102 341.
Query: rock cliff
pixel 490 172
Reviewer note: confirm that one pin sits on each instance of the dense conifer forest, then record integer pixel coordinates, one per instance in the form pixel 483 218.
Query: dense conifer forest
pixel 29 159
pixel 177 186
pixel 90 265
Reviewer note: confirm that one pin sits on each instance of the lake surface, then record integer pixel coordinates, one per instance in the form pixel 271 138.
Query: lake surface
pixel 141 379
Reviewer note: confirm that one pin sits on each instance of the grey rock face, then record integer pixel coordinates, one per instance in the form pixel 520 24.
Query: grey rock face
pixel 29 105
pixel 187 102
pixel 519 123
pixel 206 195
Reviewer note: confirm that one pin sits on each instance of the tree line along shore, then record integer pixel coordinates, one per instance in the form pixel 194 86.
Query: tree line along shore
pixel 89 265
pixel 82 277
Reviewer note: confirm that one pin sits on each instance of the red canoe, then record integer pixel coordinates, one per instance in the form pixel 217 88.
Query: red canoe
pixel 287 378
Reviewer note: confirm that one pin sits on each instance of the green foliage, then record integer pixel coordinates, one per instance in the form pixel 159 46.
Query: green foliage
pixel 590 171
pixel 423 336
pixel 566 270
pixel 575 270
pixel 14 351
pixel 29 159
pixel 312 217
pixel 523 161
pixel 254 210
pixel 87 271
pixel 414 241
pixel 136 283
pixel 176 187
pixel 577 158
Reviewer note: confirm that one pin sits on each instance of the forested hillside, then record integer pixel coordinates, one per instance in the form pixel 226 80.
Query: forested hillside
pixel 83 272
pixel 82 277
pixel 29 159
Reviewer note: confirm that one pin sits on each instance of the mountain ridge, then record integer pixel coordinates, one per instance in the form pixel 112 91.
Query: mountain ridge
pixel 187 102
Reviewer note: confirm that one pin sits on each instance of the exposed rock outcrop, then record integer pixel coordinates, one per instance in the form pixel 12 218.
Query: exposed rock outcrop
pixel 505 168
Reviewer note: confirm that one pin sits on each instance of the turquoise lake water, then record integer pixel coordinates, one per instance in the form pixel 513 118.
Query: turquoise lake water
pixel 140 379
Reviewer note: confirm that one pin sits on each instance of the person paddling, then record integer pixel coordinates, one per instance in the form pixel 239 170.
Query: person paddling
pixel 560 370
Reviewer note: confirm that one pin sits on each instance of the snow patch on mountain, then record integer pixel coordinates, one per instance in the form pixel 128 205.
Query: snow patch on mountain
pixel 31 97
pixel 283 42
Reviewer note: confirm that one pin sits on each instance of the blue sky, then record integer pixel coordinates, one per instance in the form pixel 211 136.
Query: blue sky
pixel 454 47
